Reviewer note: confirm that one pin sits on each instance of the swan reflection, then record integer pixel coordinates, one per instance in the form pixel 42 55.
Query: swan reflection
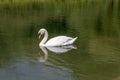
pixel 60 49
pixel 43 57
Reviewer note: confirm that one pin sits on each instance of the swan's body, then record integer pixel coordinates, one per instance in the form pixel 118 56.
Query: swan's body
pixel 60 41
pixel 56 41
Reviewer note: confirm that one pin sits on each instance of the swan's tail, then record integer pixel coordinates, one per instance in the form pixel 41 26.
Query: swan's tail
pixel 70 41
pixel 73 40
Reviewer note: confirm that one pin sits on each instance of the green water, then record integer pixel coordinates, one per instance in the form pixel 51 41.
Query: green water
pixel 95 23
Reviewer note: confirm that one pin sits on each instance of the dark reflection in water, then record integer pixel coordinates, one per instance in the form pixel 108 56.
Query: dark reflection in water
pixel 96 23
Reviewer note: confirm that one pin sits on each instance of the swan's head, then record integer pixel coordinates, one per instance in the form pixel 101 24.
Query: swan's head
pixel 41 32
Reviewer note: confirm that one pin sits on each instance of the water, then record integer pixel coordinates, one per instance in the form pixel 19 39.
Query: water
pixel 96 23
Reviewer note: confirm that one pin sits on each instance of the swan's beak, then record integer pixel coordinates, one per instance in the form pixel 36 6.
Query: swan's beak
pixel 39 35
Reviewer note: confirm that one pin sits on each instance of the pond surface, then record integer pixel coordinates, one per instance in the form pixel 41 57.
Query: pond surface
pixel 94 56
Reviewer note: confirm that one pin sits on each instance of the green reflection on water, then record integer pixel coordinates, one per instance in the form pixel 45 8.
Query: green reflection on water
pixel 96 23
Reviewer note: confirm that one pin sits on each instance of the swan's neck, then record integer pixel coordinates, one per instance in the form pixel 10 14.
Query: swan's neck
pixel 42 43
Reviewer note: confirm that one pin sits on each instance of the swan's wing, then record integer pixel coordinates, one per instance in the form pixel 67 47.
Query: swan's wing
pixel 59 40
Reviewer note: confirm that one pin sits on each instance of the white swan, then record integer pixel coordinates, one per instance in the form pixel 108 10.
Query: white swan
pixel 56 41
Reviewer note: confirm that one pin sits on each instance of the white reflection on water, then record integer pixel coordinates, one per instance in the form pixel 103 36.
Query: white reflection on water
pixel 59 50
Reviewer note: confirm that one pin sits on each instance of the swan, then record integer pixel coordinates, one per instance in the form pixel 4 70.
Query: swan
pixel 56 41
